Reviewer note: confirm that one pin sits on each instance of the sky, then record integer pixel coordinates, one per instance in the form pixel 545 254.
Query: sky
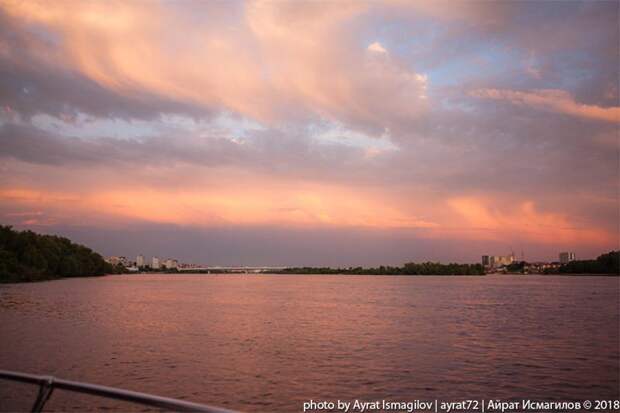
pixel 313 133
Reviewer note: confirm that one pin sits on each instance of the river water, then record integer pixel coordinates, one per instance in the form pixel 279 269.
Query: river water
pixel 271 342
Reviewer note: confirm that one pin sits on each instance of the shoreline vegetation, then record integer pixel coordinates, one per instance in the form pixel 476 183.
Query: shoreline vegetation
pixel 26 256
pixel 425 268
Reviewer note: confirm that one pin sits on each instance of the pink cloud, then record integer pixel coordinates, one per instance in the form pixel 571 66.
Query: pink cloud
pixel 278 61
pixel 485 219
pixel 267 202
pixel 552 100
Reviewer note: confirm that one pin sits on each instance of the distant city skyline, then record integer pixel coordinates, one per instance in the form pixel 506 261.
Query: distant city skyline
pixel 156 261
pixel 324 133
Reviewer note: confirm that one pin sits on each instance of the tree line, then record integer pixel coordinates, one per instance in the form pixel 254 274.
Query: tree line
pixel 608 263
pixel 425 268
pixel 27 256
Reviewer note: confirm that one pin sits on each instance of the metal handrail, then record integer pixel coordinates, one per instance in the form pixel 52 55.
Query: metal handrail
pixel 48 383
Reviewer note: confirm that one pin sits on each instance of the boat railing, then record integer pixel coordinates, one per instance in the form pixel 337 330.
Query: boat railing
pixel 48 383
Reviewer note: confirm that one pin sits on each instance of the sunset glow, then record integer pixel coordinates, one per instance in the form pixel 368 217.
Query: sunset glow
pixel 414 122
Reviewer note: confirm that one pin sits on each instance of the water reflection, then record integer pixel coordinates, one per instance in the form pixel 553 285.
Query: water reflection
pixel 259 343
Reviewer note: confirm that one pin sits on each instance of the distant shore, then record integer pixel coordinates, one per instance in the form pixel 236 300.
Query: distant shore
pixel 350 274
pixel 26 257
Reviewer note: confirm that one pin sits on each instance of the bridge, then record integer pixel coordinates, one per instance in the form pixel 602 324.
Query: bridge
pixel 227 270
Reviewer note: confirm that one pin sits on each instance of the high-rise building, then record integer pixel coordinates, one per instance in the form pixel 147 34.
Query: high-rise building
pixel 485 261
pixel 140 261
pixel 171 264
pixel 155 263
pixel 566 257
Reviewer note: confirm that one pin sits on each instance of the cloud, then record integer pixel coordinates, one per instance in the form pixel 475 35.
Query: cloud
pixel 37 146
pixel 36 77
pixel 524 221
pixel 532 67
pixel 552 100
pixel 301 205
pixel 267 68
pixel 376 47
pixel 293 115
pixel 328 154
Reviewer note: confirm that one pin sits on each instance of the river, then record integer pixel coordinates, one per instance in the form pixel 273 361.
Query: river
pixel 271 342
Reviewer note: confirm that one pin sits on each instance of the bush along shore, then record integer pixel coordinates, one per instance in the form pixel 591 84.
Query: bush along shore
pixel 27 256
pixel 425 268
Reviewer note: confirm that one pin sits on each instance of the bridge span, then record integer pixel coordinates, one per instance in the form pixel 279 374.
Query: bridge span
pixel 230 270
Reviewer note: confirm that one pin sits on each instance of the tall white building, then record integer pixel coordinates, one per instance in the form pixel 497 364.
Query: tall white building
pixel 566 257
pixel 155 263
pixel 140 261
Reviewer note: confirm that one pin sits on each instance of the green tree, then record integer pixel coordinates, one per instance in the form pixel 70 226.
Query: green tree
pixel 27 256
